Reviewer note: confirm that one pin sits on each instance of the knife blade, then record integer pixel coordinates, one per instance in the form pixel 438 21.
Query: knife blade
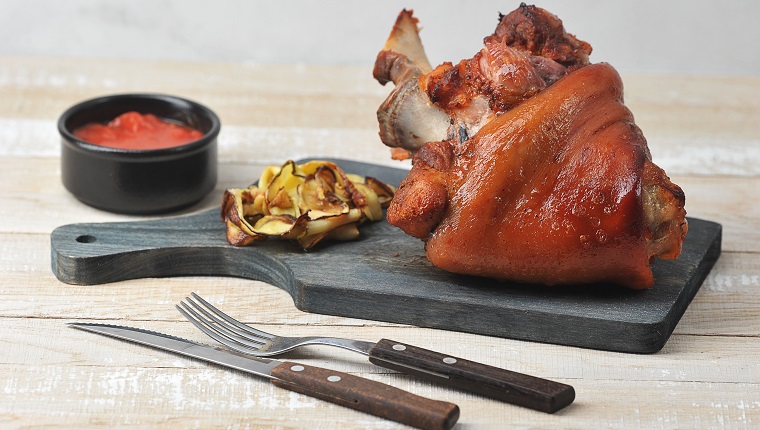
pixel 340 388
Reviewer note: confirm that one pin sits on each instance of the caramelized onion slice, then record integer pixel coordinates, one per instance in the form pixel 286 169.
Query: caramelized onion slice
pixel 307 202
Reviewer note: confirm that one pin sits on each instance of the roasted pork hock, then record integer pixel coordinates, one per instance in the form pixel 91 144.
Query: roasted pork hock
pixel 527 166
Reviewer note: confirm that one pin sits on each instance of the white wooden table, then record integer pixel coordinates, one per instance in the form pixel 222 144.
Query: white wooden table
pixel 703 131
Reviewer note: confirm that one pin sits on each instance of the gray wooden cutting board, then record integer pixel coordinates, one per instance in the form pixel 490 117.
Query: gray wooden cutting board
pixel 385 276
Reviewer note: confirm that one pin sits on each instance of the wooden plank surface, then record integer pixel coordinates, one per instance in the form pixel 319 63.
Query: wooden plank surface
pixel 702 130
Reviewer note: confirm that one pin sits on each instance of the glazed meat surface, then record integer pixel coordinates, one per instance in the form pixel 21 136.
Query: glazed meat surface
pixel 540 174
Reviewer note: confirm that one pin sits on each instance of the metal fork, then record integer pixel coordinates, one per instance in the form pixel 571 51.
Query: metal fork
pixel 517 388
pixel 248 340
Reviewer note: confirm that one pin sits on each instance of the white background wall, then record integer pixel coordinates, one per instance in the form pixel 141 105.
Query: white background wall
pixel 636 36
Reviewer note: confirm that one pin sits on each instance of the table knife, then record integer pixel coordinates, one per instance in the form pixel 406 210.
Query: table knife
pixel 340 388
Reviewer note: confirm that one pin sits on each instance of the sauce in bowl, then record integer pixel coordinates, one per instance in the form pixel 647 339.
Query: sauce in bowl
pixel 135 131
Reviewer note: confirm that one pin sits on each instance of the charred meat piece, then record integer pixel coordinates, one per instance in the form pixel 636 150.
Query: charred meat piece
pixel 529 51
pixel 540 33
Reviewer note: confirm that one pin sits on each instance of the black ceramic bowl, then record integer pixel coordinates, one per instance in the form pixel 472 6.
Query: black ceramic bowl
pixel 139 181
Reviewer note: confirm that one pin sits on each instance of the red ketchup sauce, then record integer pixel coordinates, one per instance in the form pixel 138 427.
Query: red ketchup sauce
pixel 133 130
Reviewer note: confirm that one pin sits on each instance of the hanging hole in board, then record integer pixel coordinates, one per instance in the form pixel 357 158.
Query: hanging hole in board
pixel 85 238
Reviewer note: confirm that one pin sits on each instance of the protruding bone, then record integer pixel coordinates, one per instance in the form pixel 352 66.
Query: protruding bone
pixel 407 118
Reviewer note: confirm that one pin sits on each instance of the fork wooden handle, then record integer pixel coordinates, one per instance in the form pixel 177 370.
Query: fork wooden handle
pixel 366 395
pixel 516 388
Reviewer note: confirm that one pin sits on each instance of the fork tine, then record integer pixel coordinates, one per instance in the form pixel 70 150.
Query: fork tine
pixel 244 334
pixel 244 338
pixel 233 321
pixel 211 333
pixel 224 330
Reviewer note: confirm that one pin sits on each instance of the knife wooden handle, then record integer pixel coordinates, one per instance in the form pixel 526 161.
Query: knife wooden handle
pixel 501 384
pixel 365 395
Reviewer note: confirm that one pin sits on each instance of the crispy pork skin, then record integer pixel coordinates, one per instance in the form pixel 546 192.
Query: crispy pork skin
pixel 542 176
pixel 551 192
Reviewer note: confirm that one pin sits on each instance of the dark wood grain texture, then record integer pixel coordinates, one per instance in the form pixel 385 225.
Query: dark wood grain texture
pixel 501 384
pixel 385 276
pixel 367 396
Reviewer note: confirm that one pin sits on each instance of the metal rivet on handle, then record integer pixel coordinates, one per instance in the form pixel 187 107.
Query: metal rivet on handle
pixel 333 378
pixel 398 347
pixel 449 360
pixel 297 368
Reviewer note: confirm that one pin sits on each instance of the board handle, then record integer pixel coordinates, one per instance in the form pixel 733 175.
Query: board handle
pixel 365 395
pixel 193 245
pixel 501 384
